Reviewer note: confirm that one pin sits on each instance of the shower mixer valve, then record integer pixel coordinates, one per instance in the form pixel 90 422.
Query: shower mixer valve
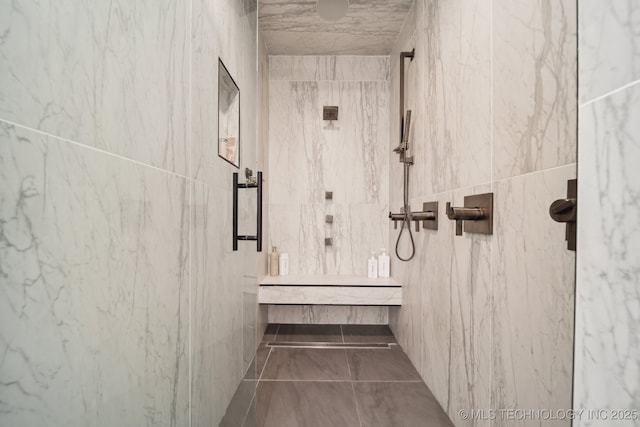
pixel 477 214
pixel 428 216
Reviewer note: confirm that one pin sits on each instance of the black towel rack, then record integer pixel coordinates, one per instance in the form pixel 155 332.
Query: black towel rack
pixel 258 236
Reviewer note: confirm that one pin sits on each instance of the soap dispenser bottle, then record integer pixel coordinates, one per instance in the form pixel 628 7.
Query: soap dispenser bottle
pixel 273 262
pixel 372 266
pixel 383 263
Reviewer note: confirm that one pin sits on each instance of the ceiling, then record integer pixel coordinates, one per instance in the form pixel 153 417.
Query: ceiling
pixel 294 27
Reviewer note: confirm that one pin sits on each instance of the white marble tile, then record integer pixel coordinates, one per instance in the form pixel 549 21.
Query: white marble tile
pixel 534 86
pixel 92 73
pixel 263 165
pixel 314 157
pixel 355 159
pixel 203 313
pixel 608 265
pixel 329 314
pixel 295 28
pixel 609 46
pixel 297 141
pixel 435 270
pixel 225 30
pixel 330 295
pixel 452 97
pixel 330 280
pixel 533 296
pixel 470 315
pixel 95 287
pixel 332 67
pixel 300 231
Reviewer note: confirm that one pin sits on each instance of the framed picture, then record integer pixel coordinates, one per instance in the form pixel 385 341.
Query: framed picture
pixel 228 116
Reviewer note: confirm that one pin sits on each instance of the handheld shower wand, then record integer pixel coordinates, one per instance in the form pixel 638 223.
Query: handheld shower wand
pixel 407 162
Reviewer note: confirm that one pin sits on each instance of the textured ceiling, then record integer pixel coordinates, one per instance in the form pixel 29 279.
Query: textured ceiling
pixel 294 27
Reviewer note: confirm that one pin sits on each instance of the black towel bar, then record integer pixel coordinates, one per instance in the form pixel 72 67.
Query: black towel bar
pixel 258 236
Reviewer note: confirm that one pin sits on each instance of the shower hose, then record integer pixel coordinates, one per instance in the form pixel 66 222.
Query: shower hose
pixel 405 220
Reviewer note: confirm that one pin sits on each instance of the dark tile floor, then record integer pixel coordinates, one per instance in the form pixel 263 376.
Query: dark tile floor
pixel 361 378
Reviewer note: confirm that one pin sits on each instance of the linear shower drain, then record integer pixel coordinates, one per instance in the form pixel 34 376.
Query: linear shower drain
pixel 329 345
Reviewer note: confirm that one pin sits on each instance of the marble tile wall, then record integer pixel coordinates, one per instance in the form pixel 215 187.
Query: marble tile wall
pixel 308 156
pixel 607 340
pixel 122 302
pixel 329 314
pixel 479 126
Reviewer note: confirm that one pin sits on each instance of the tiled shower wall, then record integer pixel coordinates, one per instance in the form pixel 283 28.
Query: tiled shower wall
pixel 607 365
pixel 121 302
pixel 488 320
pixel 308 156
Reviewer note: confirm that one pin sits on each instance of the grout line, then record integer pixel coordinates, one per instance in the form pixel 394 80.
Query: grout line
pixel 253 400
pixel 492 253
pixel 342 334
pixel 491 118
pixel 551 169
pixel 613 92
pixel 355 401
pixel 95 149
pixel 264 367
pixel 191 207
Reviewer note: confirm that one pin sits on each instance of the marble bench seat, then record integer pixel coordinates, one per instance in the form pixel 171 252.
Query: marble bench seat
pixel 329 290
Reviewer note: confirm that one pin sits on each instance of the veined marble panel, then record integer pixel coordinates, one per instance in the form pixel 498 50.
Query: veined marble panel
pixel 329 280
pixel 263 165
pixel 330 295
pixel 534 86
pixel 471 299
pixel 225 30
pixel 329 314
pixel 92 73
pixel 356 230
pixel 609 46
pixel 295 28
pixel 435 271
pixel 533 296
pixel 607 366
pixel 224 301
pixel 331 67
pixel 348 156
pixel 451 92
pixel 95 288
pixel 297 141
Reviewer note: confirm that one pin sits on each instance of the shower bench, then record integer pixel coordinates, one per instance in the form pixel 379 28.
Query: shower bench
pixel 329 290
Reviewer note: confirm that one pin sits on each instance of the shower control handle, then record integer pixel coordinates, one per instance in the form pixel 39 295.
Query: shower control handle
pixel 563 210
pixel 477 210
pixel 451 214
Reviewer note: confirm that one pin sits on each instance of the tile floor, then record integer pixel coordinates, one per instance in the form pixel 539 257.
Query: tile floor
pixel 361 378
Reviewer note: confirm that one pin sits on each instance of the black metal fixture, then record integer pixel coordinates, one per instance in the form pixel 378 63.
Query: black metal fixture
pixel 330 112
pixel 477 214
pixel 407 160
pixel 251 183
pixel 428 217
pixel 566 210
